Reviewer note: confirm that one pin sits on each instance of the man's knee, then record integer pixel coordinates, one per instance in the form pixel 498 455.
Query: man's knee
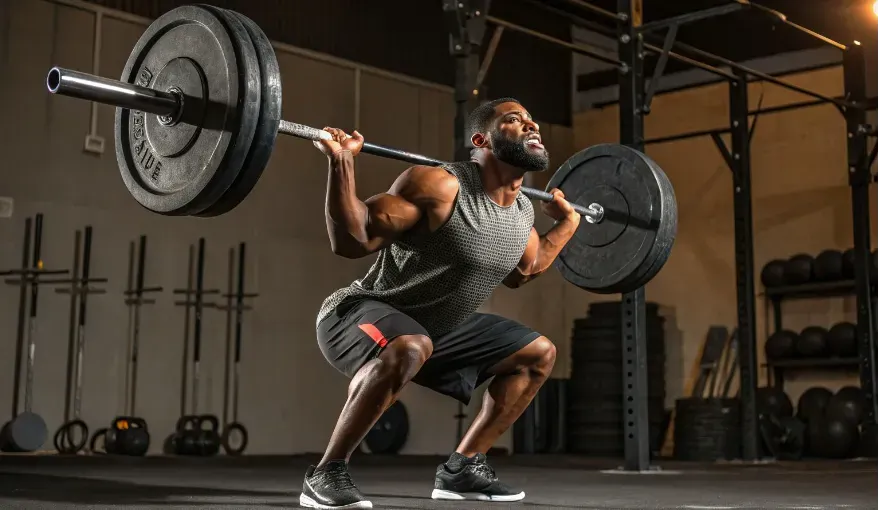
pixel 543 353
pixel 403 357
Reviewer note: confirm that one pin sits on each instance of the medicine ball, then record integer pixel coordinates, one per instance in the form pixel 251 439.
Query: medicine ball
pixel 828 266
pixel 781 345
pixel 848 404
pixel 799 269
pixel 812 342
pixel 834 439
pixel 773 401
pixel 848 264
pixel 842 340
pixel 772 274
pixel 812 403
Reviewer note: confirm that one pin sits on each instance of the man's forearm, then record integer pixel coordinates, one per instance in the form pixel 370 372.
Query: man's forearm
pixel 548 248
pixel 552 242
pixel 346 215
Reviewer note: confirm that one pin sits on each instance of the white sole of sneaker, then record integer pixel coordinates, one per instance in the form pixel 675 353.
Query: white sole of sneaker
pixel 307 502
pixel 474 496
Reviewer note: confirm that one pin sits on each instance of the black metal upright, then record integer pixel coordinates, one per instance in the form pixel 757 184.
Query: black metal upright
pixel 465 20
pixel 634 341
pixel 854 75
pixel 740 164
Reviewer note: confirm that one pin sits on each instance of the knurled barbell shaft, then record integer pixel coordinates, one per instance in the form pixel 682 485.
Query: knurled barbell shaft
pixel 67 82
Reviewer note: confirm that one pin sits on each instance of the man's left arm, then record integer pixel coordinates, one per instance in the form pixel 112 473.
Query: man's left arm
pixel 541 251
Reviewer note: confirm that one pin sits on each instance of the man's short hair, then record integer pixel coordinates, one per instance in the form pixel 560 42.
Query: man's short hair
pixel 482 115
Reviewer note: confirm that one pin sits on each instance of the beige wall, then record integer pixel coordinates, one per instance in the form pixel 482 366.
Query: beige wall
pixel 290 395
pixel 800 204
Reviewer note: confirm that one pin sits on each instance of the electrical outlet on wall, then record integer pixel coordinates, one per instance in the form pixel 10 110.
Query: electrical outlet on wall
pixel 6 207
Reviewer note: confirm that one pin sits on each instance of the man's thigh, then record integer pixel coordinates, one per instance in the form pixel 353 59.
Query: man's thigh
pixel 461 358
pixel 356 333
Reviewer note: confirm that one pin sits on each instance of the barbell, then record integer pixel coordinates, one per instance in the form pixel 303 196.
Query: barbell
pixel 199 111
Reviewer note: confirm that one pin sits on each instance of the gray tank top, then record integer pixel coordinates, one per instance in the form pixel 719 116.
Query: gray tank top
pixel 440 278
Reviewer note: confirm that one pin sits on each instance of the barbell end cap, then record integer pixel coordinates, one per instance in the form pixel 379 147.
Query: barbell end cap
pixel 53 79
pixel 598 213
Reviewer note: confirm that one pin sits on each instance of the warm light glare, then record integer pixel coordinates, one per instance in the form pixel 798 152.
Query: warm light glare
pixel 876 8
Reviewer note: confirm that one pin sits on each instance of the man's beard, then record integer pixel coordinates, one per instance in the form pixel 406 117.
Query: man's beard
pixel 516 153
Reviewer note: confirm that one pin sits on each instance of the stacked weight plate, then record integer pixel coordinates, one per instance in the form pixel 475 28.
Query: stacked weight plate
pixel 595 397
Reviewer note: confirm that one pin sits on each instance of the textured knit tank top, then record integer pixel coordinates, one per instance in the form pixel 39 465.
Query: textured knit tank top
pixel 440 278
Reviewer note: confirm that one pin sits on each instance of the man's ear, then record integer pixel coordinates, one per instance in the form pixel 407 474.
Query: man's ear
pixel 479 140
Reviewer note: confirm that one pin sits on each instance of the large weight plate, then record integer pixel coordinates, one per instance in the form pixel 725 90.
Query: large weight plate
pixel 390 432
pixel 27 432
pixel 267 125
pixel 625 250
pixel 184 166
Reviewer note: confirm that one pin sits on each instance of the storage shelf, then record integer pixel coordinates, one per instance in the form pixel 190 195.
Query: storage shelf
pixel 812 290
pixel 814 363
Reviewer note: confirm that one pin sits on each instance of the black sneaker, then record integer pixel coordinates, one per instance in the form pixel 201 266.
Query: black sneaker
pixel 474 480
pixel 331 487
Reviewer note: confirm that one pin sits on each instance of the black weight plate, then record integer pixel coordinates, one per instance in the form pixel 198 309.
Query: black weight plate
pixel 182 167
pixel 390 432
pixel 267 126
pixel 631 244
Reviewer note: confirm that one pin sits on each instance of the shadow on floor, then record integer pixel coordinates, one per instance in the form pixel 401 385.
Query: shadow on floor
pixel 91 491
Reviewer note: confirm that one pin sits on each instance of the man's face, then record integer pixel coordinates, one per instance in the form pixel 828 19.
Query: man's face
pixel 515 139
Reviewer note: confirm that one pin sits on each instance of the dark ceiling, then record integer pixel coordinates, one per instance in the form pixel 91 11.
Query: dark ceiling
pixel 752 33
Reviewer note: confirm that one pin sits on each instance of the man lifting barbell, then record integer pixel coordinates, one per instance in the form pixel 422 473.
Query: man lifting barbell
pixel 447 237
pixel 194 143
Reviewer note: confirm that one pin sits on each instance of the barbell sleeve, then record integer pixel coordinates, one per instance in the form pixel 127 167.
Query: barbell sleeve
pixel 67 82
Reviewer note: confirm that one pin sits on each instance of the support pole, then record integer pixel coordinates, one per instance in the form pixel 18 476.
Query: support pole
pixel 466 21
pixel 740 164
pixel 854 75
pixel 634 324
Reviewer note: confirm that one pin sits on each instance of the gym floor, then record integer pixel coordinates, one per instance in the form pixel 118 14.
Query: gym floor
pixel 98 482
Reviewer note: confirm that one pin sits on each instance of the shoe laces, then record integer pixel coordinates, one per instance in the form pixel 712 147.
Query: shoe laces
pixel 338 478
pixel 484 469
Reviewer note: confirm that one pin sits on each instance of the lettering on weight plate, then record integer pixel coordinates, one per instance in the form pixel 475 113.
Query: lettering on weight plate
pixel 149 163
pixel 144 77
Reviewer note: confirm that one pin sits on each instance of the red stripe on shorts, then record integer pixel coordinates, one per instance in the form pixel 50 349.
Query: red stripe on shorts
pixel 375 334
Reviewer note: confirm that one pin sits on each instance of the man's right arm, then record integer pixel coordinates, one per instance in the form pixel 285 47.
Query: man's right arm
pixel 358 228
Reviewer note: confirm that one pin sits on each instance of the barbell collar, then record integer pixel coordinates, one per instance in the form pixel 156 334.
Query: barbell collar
pixel 67 82
pixel 76 84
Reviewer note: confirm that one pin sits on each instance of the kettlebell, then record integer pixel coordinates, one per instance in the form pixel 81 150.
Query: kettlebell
pixel 209 435
pixel 128 435
pixel 186 435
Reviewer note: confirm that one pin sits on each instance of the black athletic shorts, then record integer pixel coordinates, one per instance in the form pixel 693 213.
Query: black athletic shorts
pixel 356 332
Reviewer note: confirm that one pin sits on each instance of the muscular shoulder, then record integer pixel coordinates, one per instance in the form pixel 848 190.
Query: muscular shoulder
pixel 427 185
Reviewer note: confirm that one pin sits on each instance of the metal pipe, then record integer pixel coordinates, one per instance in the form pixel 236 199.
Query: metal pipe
pixel 759 111
pixel 701 65
pixel 780 16
pixel 125 95
pixel 576 48
pixel 690 17
pixel 86 86
pixel 595 9
pixel 766 77
pixel 601 29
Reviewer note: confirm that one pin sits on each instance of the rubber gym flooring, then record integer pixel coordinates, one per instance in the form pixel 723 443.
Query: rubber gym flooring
pixel 100 482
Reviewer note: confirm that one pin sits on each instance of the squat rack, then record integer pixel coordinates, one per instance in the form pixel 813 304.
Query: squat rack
pixel 467 21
